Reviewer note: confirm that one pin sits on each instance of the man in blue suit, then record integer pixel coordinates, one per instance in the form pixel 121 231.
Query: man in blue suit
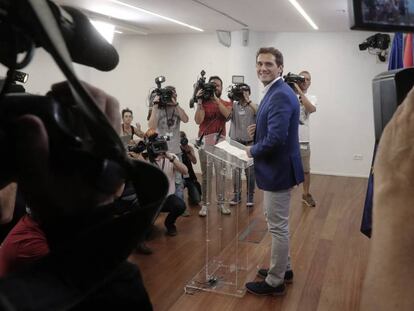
pixel 278 165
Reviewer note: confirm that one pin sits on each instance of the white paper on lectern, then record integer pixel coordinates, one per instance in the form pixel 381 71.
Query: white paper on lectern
pixel 237 152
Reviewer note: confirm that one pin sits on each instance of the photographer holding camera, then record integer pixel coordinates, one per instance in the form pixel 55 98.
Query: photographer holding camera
pixel 243 115
pixel 166 117
pixel 170 164
pixel 211 115
pixel 307 107
pixel 190 179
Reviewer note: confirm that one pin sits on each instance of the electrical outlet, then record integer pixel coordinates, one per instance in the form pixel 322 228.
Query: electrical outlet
pixel 358 157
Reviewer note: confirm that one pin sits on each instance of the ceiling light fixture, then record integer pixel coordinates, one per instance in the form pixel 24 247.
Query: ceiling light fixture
pixel 157 15
pixel 303 13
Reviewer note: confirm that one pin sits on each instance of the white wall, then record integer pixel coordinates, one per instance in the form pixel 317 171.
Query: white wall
pixel 341 79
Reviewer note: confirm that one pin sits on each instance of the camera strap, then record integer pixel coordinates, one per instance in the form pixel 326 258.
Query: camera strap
pixel 170 121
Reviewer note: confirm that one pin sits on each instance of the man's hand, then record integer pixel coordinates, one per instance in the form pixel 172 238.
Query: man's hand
pixel 251 130
pixel 249 154
pixel 215 98
pixel 48 191
pixel 298 89
pixel 199 94
pixel 246 96
pixel 136 156
pixel 156 100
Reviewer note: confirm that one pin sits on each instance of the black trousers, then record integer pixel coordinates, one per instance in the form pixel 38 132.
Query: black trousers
pixel 174 206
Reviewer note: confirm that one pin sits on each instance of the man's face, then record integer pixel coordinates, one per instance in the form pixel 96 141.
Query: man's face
pixel 305 85
pixel 267 69
pixel 219 87
pixel 127 118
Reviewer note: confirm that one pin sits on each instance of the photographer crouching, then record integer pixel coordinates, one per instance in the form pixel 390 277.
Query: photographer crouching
pixel 156 148
pixel 190 180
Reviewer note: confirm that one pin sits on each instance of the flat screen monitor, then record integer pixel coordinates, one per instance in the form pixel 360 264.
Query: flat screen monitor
pixel 382 15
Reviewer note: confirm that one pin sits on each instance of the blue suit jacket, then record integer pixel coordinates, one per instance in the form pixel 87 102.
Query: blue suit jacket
pixel 276 152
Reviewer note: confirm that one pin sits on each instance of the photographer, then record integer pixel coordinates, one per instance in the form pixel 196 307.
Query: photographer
pixel 243 115
pixel 170 165
pixel 190 179
pixel 27 242
pixel 166 119
pixel 211 116
pixel 307 107
pixel 127 128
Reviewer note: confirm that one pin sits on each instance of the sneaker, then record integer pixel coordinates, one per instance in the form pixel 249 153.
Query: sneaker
pixel 308 200
pixel 250 201
pixel 236 199
pixel 224 210
pixel 203 211
pixel 262 288
pixel 186 213
pixel 171 230
pixel 142 248
pixel 262 273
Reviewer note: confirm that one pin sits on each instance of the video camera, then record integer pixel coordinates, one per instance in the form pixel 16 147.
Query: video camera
pixel 292 78
pixel 208 87
pixel 153 146
pixel 82 144
pixel 235 91
pixel 165 94
pixel 379 41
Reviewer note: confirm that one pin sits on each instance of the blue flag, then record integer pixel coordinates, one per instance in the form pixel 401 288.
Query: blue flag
pixel 395 60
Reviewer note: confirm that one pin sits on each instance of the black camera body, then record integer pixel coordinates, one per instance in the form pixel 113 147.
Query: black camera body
pixel 235 92
pixel 292 78
pixel 379 41
pixel 209 88
pixel 140 147
pixel 153 146
pixel 165 94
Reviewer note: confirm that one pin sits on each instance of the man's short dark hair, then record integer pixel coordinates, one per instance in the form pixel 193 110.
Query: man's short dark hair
pixel 215 78
pixel 271 50
pixel 124 111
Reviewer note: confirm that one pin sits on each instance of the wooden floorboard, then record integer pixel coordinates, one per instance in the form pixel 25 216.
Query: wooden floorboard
pixel 329 254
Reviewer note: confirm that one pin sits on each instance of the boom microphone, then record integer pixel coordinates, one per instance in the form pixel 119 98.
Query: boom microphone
pixel 86 46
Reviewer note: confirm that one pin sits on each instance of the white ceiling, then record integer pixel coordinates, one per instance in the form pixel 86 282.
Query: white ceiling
pixel 258 15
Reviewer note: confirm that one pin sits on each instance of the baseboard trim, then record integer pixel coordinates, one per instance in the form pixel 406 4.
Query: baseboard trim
pixel 339 174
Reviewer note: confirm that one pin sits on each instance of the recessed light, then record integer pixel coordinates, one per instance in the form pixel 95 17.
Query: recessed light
pixel 157 15
pixel 303 13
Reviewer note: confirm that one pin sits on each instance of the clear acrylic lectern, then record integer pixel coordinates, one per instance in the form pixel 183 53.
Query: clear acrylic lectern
pixel 226 247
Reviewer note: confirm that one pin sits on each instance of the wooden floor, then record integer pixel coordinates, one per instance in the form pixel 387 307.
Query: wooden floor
pixel 329 255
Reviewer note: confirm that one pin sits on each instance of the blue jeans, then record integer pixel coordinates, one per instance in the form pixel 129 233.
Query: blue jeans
pixel 179 182
pixel 194 190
